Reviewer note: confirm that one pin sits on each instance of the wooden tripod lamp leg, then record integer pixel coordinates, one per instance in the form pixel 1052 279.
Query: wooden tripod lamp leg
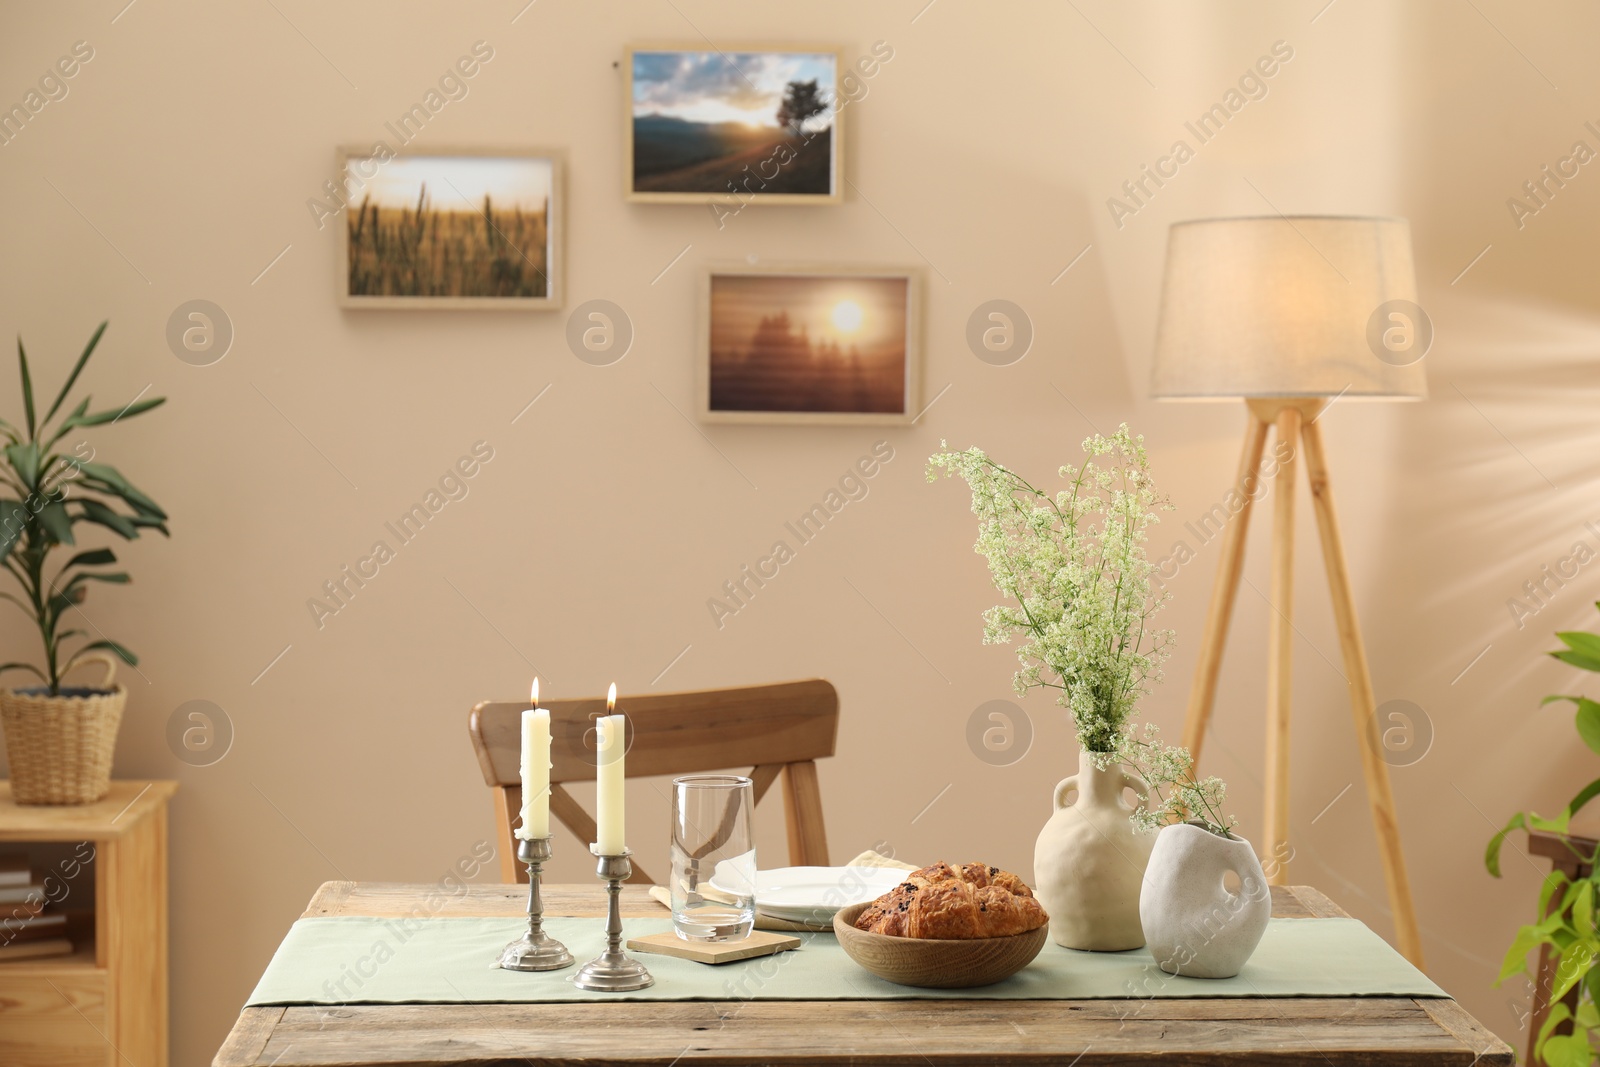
pixel 1280 652
pixel 1362 703
pixel 1203 692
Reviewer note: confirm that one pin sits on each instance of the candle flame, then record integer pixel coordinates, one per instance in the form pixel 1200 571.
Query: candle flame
pixel 611 698
pixel 536 691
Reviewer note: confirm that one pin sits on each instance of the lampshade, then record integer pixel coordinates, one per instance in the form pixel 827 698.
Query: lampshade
pixel 1290 306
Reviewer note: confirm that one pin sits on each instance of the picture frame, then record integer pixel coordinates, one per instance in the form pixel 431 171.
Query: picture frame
pixel 463 249
pixel 809 344
pixel 694 132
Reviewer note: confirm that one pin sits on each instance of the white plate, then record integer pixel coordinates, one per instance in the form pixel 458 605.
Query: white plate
pixel 813 894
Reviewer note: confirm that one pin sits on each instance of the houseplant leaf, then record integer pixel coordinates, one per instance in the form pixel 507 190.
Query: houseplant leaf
pixel 95 557
pixel 96 512
pixel 108 476
pixel 88 350
pixel 24 459
pixel 13 520
pixel 108 415
pixel 1583 649
pixel 53 517
pixel 27 389
pixel 23 667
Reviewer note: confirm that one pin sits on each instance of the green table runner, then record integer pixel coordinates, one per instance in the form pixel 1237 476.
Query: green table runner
pixel 363 960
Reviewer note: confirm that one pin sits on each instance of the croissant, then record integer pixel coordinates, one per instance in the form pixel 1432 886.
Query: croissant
pixel 955 903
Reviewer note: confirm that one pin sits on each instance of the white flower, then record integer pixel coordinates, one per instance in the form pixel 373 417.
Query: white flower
pixel 1073 567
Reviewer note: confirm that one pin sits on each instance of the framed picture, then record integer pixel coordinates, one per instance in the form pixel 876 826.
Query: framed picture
pixel 733 124
pixel 451 228
pixel 808 344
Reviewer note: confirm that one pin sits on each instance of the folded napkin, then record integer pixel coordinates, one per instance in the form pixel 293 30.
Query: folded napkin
pixel 869 858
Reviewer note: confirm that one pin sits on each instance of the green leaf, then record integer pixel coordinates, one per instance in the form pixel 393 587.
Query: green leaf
pixel 109 415
pixel 23 667
pixel 77 369
pixel 1576 962
pixel 1568 1050
pixel 13 521
pixel 151 522
pixel 1553 881
pixel 109 476
pixel 1491 855
pixel 95 557
pixel 1583 910
pixel 58 604
pixel 1584 795
pixel 1578 659
pixel 27 389
pixel 1558 1014
pixel 24 459
pixel 1516 959
pixel 1588 722
pixel 53 516
pixel 1581 641
pixel 111 646
pixel 98 513
pixel 111 577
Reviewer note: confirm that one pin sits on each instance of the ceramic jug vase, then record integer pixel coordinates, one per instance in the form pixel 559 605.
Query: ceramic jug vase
pixel 1089 861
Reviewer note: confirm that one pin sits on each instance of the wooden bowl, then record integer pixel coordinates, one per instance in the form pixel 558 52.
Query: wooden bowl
pixel 934 964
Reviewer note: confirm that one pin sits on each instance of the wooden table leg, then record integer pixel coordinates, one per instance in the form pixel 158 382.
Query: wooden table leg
pixel 1203 692
pixel 1280 652
pixel 1362 703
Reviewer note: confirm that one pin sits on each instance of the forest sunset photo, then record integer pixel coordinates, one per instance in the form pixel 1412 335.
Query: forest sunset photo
pixel 800 343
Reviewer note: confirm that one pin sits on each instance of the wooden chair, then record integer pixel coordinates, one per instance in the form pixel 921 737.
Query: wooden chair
pixel 773 729
pixel 1569 854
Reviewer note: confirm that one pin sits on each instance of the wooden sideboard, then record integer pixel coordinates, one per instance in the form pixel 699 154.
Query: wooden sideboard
pixel 105 866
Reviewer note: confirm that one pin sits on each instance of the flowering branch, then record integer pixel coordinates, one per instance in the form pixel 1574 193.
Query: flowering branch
pixel 1074 566
pixel 1174 795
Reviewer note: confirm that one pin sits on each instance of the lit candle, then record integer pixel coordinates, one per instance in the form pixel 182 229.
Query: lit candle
pixel 610 746
pixel 535 771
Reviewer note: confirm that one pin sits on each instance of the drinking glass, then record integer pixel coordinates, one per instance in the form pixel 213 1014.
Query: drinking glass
pixel 713 858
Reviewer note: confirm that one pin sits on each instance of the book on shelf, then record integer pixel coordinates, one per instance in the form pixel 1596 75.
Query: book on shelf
pixel 14 871
pixel 24 898
pixel 32 950
pixel 32 928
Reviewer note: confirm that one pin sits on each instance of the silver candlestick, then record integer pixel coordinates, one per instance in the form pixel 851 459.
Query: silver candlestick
pixel 535 950
pixel 613 971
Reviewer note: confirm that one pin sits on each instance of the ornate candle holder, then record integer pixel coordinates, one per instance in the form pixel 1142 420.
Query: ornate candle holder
pixel 613 971
pixel 535 950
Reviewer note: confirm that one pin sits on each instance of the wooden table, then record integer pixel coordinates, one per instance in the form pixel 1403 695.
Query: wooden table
pixel 1084 1033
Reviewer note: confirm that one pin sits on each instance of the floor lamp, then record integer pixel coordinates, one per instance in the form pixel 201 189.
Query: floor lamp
pixel 1290 314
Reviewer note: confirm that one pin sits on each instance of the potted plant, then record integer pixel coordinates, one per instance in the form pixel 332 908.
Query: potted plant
pixel 1567 925
pixel 59 740
pixel 1073 568
pixel 1195 924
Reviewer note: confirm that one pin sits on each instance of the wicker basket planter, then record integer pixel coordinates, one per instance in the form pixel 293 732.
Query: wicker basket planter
pixel 59 747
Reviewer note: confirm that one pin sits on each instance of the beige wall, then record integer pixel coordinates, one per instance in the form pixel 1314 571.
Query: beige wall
pixel 179 166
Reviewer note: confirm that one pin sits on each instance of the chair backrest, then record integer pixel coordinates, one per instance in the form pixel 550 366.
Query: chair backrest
pixel 772 729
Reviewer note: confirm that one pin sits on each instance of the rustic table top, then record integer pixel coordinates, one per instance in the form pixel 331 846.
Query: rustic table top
pixel 1085 1033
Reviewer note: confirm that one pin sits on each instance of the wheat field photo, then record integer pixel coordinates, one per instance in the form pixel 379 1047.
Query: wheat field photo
pixel 451 228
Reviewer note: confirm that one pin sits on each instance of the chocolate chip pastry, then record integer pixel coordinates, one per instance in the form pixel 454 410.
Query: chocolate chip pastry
pixel 955 903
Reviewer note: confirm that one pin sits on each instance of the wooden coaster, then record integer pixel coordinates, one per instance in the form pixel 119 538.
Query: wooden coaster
pixel 759 943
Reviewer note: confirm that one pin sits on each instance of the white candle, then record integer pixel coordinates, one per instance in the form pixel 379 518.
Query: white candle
pixel 610 749
pixel 535 771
